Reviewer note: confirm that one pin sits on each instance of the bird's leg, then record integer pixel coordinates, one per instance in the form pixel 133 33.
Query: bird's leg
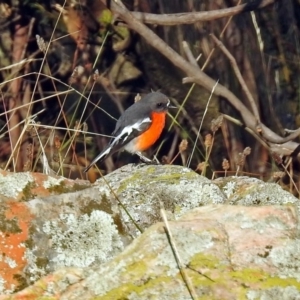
pixel 143 158
pixel 155 159
pixel 146 159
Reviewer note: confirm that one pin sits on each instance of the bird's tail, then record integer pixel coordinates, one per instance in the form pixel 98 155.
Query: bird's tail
pixel 103 155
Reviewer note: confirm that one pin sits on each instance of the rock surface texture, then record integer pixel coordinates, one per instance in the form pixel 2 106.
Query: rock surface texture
pixel 236 237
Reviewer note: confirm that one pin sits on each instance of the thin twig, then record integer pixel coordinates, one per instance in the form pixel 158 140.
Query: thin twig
pixel 239 76
pixel 26 121
pixel 292 182
pixel 201 123
pixel 121 204
pixel 183 273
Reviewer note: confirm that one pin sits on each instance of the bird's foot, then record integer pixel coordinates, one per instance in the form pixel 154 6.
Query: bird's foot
pixel 155 160
pixel 148 161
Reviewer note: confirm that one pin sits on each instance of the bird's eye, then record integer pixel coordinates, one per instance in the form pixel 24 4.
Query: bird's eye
pixel 159 104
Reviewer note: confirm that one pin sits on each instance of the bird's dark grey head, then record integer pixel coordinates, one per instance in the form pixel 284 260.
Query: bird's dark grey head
pixel 157 102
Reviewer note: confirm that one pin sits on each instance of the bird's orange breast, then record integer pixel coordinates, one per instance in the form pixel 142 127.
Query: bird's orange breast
pixel 151 135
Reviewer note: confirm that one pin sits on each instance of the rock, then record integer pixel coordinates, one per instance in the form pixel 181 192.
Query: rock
pixel 141 189
pixel 81 235
pixel 85 225
pixel 227 252
pixel 17 220
pixel 252 191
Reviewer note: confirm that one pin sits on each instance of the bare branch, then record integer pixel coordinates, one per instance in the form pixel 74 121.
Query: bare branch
pixel 239 76
pixel 196 75
pixel 189 54
pixel 193 17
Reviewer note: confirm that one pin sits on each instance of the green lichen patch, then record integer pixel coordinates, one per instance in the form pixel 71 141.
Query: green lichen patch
pixel 27 191
pixel 123 291
pixel 9 226
pixel 60 186
pixel 148 176
pixel 93 205
pixel 201 260
pixel 136 286
pixel 22 282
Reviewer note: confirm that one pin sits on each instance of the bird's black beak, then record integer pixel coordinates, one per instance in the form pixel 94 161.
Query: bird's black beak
pixel 171 106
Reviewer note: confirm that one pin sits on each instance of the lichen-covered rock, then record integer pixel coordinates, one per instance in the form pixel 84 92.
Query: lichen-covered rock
pixel 252 191
pixel 227 252
pixel 142 188
pixel 48 223
pixel 26 186
pixel 16 223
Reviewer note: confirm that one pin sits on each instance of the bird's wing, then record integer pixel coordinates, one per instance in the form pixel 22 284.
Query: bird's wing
pixel 123 136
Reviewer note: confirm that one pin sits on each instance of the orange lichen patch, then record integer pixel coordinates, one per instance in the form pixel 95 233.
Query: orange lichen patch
pixel 39 188
pixel 45 185
pixel 14 231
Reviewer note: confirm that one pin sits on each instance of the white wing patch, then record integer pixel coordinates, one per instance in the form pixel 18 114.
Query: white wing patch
pixel 127 131
pixel 121 138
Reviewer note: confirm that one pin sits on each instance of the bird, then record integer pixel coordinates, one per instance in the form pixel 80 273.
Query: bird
pixel 138 128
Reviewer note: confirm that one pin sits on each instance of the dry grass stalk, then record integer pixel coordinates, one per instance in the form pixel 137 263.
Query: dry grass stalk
pixel 200 167
pixel 41 43
pixel 181 148
pixel 225 165
pixel 74 76
pixel 181 266
pixel 208 141
pixel 278 175
pixel 216 123
pixel 241 159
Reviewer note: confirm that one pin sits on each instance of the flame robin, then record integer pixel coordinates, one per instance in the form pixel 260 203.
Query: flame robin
pixel 138 128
